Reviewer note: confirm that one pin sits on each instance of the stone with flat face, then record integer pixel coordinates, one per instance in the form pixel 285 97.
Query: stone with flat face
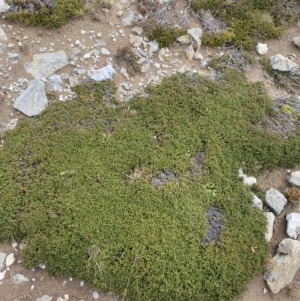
pixel 33 100
pixel 275 200
pixel 45 64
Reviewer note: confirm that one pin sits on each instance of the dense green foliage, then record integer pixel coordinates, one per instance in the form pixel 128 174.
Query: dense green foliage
pixel 165 36
pixel 40 13
pixel 76 186
pixel 249 20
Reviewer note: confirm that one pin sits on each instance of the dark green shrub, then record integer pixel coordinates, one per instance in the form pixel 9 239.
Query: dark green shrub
pixel 50 16
pixel 65 191
pixel 165 36
pixel 250 20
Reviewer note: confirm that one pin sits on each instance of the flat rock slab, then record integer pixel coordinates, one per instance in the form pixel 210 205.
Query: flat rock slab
pixel 281 63
pixel 45 64
pixel 293 225
pixel 33 100
pixel 284 265
pixel 275 200
pixel 101 74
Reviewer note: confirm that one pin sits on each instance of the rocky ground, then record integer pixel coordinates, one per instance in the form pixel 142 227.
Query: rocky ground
pixel 78 51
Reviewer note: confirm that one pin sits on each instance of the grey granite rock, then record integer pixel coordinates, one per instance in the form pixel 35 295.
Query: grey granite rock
pixel 101 74
pixel 33 100
pixel 275 200
pixel 293 225
pixel 54 83
pixel 284 265
pixel 270 224
pixel 45 64
pixel 281 63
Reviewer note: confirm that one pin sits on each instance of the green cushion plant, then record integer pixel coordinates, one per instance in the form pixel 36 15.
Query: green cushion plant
pixel 77 187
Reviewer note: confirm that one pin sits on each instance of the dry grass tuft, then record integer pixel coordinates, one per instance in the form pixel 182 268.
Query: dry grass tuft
pixel 126 54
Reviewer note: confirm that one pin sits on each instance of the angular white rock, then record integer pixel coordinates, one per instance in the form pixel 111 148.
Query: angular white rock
pixel 2 274
pixel 33 100
pixel 105 51
pixel 45 64
pixel 196 34
pixel 248 181
pixel 137 29
pixel 293 225
pixel 185 39
pixel 262 49
pixel 10 259
pixel 281 63
pixel 198 56
pixel 136 41
pixel 257 202
pixel 101 74
pixel 275 200
pixel 54 83
pixel 270 224
pixel 284 265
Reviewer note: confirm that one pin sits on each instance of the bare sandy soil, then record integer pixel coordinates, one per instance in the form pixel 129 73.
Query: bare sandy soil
pixel 40 283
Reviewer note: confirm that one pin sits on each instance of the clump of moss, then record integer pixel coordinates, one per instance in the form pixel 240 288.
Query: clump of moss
pixel 165 36
pixel 218 39
pixel 248 20
pixel 50 14
pixel 76 186
pixel 126 54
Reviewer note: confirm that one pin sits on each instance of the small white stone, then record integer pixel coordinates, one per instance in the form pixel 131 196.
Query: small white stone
pixel 95 295
pixel 105 51
pixel 262 49
pixel 81 283
pixel 66 296
pixel 10 259
pixel 83 31
pixel 99 34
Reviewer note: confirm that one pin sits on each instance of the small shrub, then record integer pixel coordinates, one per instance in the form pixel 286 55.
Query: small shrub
pixel 293 195
pixel 50 14
pixel 126 54
pixel 248 20
pixel 64 189
pixel 165 36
